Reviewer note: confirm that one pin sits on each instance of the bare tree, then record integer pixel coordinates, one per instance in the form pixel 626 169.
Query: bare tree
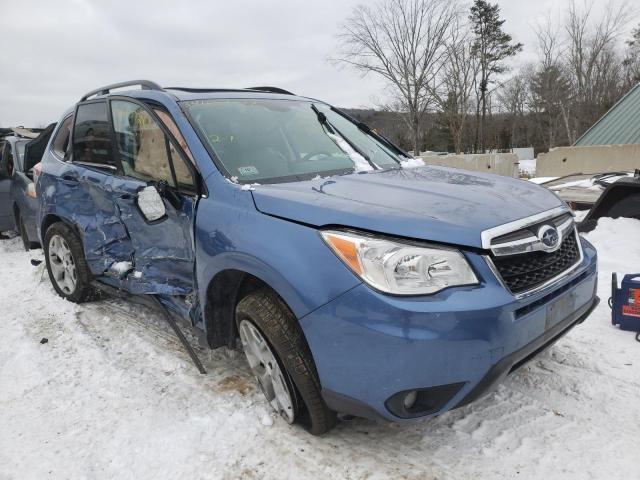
pixel 458 80
pixel 512 97
pixel 590 55
pixel 631 61
pixel 551 96
pixel 403 41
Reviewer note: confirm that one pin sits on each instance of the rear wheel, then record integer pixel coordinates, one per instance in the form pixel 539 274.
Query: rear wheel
pixel 281 361
pixel 67 267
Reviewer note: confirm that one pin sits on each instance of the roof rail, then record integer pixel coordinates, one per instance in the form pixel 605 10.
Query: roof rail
pixel 271 90
pixel 254 89
pixel 205 90
pixel 145 84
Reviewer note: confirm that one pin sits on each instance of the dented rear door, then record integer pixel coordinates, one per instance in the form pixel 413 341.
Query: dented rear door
pixel 82 191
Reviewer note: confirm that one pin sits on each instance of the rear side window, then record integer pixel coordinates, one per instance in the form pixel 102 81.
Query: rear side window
pixel 92 135
pixel 61 142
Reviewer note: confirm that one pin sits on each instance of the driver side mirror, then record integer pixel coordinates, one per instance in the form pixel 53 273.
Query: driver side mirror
pixel 151 204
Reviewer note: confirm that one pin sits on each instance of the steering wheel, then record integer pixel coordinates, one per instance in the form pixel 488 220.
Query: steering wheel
pixel 310 155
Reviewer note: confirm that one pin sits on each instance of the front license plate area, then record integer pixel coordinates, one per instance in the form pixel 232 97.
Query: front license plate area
pixel 560 309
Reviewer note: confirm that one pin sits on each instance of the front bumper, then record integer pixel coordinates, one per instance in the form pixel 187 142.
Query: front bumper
pixel 368 346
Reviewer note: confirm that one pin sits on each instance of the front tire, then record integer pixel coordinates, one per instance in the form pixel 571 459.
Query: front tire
pixel 67 267
pixel 268 330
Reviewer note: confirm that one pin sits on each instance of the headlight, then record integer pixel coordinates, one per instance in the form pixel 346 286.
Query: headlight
pixel 400 268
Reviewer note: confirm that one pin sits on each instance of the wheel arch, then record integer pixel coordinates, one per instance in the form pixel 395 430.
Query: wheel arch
pixel 225 289
pixel 51 218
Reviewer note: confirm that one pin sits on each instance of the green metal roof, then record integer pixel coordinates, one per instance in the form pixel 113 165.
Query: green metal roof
pixel 619 126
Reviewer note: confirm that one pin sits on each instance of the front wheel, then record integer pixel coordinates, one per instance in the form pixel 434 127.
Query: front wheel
pixel 281 361
pixel 67 267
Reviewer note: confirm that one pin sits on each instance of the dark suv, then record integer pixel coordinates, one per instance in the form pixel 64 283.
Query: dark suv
pixel 358 279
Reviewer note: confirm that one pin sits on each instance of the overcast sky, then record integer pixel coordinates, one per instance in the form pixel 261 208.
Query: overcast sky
pixel 54 51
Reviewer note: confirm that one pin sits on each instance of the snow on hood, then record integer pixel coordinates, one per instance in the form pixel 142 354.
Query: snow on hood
pixel 430 203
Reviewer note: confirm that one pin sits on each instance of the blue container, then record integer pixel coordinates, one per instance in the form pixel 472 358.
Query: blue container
pixel 625 302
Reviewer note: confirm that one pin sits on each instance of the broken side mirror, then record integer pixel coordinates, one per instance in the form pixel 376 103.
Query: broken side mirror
pixel 151 204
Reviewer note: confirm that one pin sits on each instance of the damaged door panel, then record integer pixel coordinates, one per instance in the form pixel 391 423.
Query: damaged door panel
pixel 162 260
pixel 161 235
pixel 85 191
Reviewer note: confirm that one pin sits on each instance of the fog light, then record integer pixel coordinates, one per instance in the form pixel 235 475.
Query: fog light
pixel 421 401
pixel 410 399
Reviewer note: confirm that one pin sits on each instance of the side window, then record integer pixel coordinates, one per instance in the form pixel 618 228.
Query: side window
pixel 144 150
pixel 20 155
pixel 61 142
pixel 92 135
pixel 183 174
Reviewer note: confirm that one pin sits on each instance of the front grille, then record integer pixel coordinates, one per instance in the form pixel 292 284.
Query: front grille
pixel 526 271
pixel 529 230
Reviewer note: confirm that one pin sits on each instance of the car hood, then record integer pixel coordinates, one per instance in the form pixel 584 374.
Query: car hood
pixel 430 203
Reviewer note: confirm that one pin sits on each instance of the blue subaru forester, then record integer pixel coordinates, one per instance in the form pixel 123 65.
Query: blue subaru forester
pixel 356 284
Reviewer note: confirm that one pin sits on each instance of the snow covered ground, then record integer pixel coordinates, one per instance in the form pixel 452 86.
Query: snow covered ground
pixel 113 395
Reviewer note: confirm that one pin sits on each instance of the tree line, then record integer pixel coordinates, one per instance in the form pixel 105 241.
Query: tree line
pixel 451 81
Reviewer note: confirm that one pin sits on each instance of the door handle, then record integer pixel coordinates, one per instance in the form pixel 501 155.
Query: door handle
pixel 70 179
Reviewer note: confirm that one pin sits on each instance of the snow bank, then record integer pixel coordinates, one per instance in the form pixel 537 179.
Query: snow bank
pixel 113 395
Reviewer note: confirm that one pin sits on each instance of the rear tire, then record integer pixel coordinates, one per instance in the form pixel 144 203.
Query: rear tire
pixel 67 267
pixel 264 310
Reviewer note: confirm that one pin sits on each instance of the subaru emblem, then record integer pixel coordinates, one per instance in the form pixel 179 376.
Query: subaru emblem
pixel 549 237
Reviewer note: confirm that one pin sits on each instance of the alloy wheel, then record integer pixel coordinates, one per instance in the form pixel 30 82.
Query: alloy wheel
pixel 63 265
pixel 267 371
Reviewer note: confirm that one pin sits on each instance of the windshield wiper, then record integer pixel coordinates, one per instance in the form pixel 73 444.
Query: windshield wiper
pixel 363 127
pixel 324 121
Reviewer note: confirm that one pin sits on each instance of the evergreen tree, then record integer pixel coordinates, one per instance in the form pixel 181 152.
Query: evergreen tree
pixel 492 46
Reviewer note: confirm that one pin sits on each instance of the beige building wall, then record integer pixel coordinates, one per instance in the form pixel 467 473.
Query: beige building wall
pixel 497 163
pixel 593 159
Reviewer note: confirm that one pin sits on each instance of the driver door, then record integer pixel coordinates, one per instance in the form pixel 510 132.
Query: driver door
pixel 156 198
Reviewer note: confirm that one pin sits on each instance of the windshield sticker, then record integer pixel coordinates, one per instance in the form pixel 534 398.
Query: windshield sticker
pixel 248 170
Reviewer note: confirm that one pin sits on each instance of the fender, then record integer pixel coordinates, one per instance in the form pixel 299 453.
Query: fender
pixel 307 275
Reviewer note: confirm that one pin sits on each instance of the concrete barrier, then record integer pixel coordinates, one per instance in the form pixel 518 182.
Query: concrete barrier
pixel 498 163
pixel 563 161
